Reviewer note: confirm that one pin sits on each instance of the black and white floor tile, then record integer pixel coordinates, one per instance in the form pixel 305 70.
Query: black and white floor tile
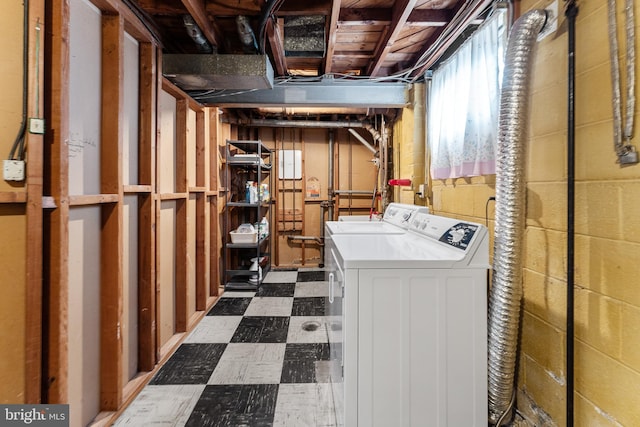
pixel 257 359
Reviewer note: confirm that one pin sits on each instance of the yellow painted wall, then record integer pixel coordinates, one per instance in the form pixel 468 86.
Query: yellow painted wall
pixel 607 355
pixel 408 148
pixel 12 217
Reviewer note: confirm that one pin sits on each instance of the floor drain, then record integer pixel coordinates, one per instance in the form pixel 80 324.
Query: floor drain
pixel 311 325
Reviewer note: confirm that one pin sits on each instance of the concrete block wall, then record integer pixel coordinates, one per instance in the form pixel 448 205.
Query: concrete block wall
pixel 607 263
pixel 409 149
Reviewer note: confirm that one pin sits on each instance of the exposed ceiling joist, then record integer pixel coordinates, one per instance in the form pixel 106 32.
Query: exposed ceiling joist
pixel 401 11
pixel 275 36
pixel 383 40
pixel 333 32
pixel 373 16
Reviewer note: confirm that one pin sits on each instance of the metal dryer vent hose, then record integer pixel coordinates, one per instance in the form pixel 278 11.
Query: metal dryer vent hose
pixel 506 288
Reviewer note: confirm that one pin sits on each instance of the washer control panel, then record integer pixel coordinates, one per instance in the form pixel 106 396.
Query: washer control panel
pixel 449 231
pixel 400 214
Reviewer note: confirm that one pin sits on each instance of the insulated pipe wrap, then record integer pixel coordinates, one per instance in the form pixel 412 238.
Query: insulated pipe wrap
pixel 506 288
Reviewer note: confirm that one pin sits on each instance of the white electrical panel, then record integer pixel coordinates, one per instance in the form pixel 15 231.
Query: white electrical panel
pixel 289 164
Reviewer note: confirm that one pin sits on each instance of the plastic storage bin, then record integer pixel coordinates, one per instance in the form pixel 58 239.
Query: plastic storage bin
pixel 251 237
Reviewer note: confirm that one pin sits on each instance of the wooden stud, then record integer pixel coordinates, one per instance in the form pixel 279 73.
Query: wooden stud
pixel 35 165
pixel 111 245
pixel 13 197
pixel 182 272
pixel 173 196
pixel 303 196
pixel 56 250
pixel 201 286
pixel 214 252
pixel 93 199
pixel 147 343
pixel 135 189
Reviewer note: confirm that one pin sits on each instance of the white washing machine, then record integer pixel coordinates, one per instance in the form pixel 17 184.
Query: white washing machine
pixel 359 218
pixel 413 315
pixel 394 221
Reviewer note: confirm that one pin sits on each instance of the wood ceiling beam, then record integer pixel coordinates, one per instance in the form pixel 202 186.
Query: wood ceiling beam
pixel 155 7
pixel 331 35
pixel 253 8
pixel 430 17
pixel 376 16
pixel 275 38
pixel 401 11
pixel 197 10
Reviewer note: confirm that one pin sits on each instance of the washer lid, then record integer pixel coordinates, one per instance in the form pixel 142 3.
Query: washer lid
pixel 355 227
pixel 415 250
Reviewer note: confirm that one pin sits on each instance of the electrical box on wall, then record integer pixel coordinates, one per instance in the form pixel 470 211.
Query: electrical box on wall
pixel 422 188
pixel 290 164
pixel 36 125
pixel 13 170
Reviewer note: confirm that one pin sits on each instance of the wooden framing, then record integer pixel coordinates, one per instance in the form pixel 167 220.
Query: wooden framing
pixel 147 350
pixel 111 274
pixel 182 217
pixel 56 241
pixel 35 166
pixel 13 197
pixel 201 286
pixel 114 390
pixel 212 200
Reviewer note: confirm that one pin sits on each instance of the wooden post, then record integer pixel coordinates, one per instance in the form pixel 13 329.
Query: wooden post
pixel 56 250
pixel 214 252
pixel 201 286
pixel 35 165
pixel 147 340
pixel 182 273
pixel 111 280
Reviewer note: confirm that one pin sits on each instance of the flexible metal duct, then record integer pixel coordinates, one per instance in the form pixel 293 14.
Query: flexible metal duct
pixel 506 288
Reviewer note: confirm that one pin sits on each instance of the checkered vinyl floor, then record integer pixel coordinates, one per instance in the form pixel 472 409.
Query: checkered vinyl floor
pixel 257 359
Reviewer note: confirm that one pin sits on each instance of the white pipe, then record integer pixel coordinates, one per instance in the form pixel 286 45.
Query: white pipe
pixel 362 140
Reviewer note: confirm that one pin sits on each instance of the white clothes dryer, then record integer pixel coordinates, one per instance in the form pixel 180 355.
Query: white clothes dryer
pixel 413 315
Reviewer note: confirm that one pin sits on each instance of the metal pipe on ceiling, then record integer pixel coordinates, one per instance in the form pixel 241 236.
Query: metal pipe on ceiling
pixel 300 124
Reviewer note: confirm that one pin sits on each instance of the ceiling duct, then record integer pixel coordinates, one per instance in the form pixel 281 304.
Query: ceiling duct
pixel 196 34
pixel 304 36
pixel 208 72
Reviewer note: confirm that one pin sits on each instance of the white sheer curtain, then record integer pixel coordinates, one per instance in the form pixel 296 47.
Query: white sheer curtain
pixel 464 105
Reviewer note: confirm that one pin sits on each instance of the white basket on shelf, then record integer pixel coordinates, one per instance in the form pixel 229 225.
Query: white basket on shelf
pixel 251 237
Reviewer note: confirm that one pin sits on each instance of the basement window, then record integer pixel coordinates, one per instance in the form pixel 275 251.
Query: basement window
pixel 464 99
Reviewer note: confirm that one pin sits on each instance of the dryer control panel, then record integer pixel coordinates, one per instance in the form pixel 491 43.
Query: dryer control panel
pixel 449 231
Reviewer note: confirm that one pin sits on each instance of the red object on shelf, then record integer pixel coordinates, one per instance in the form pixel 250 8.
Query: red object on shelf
pixel 400 182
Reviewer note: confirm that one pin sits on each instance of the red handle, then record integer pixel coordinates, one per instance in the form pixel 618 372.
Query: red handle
pixel 400 182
